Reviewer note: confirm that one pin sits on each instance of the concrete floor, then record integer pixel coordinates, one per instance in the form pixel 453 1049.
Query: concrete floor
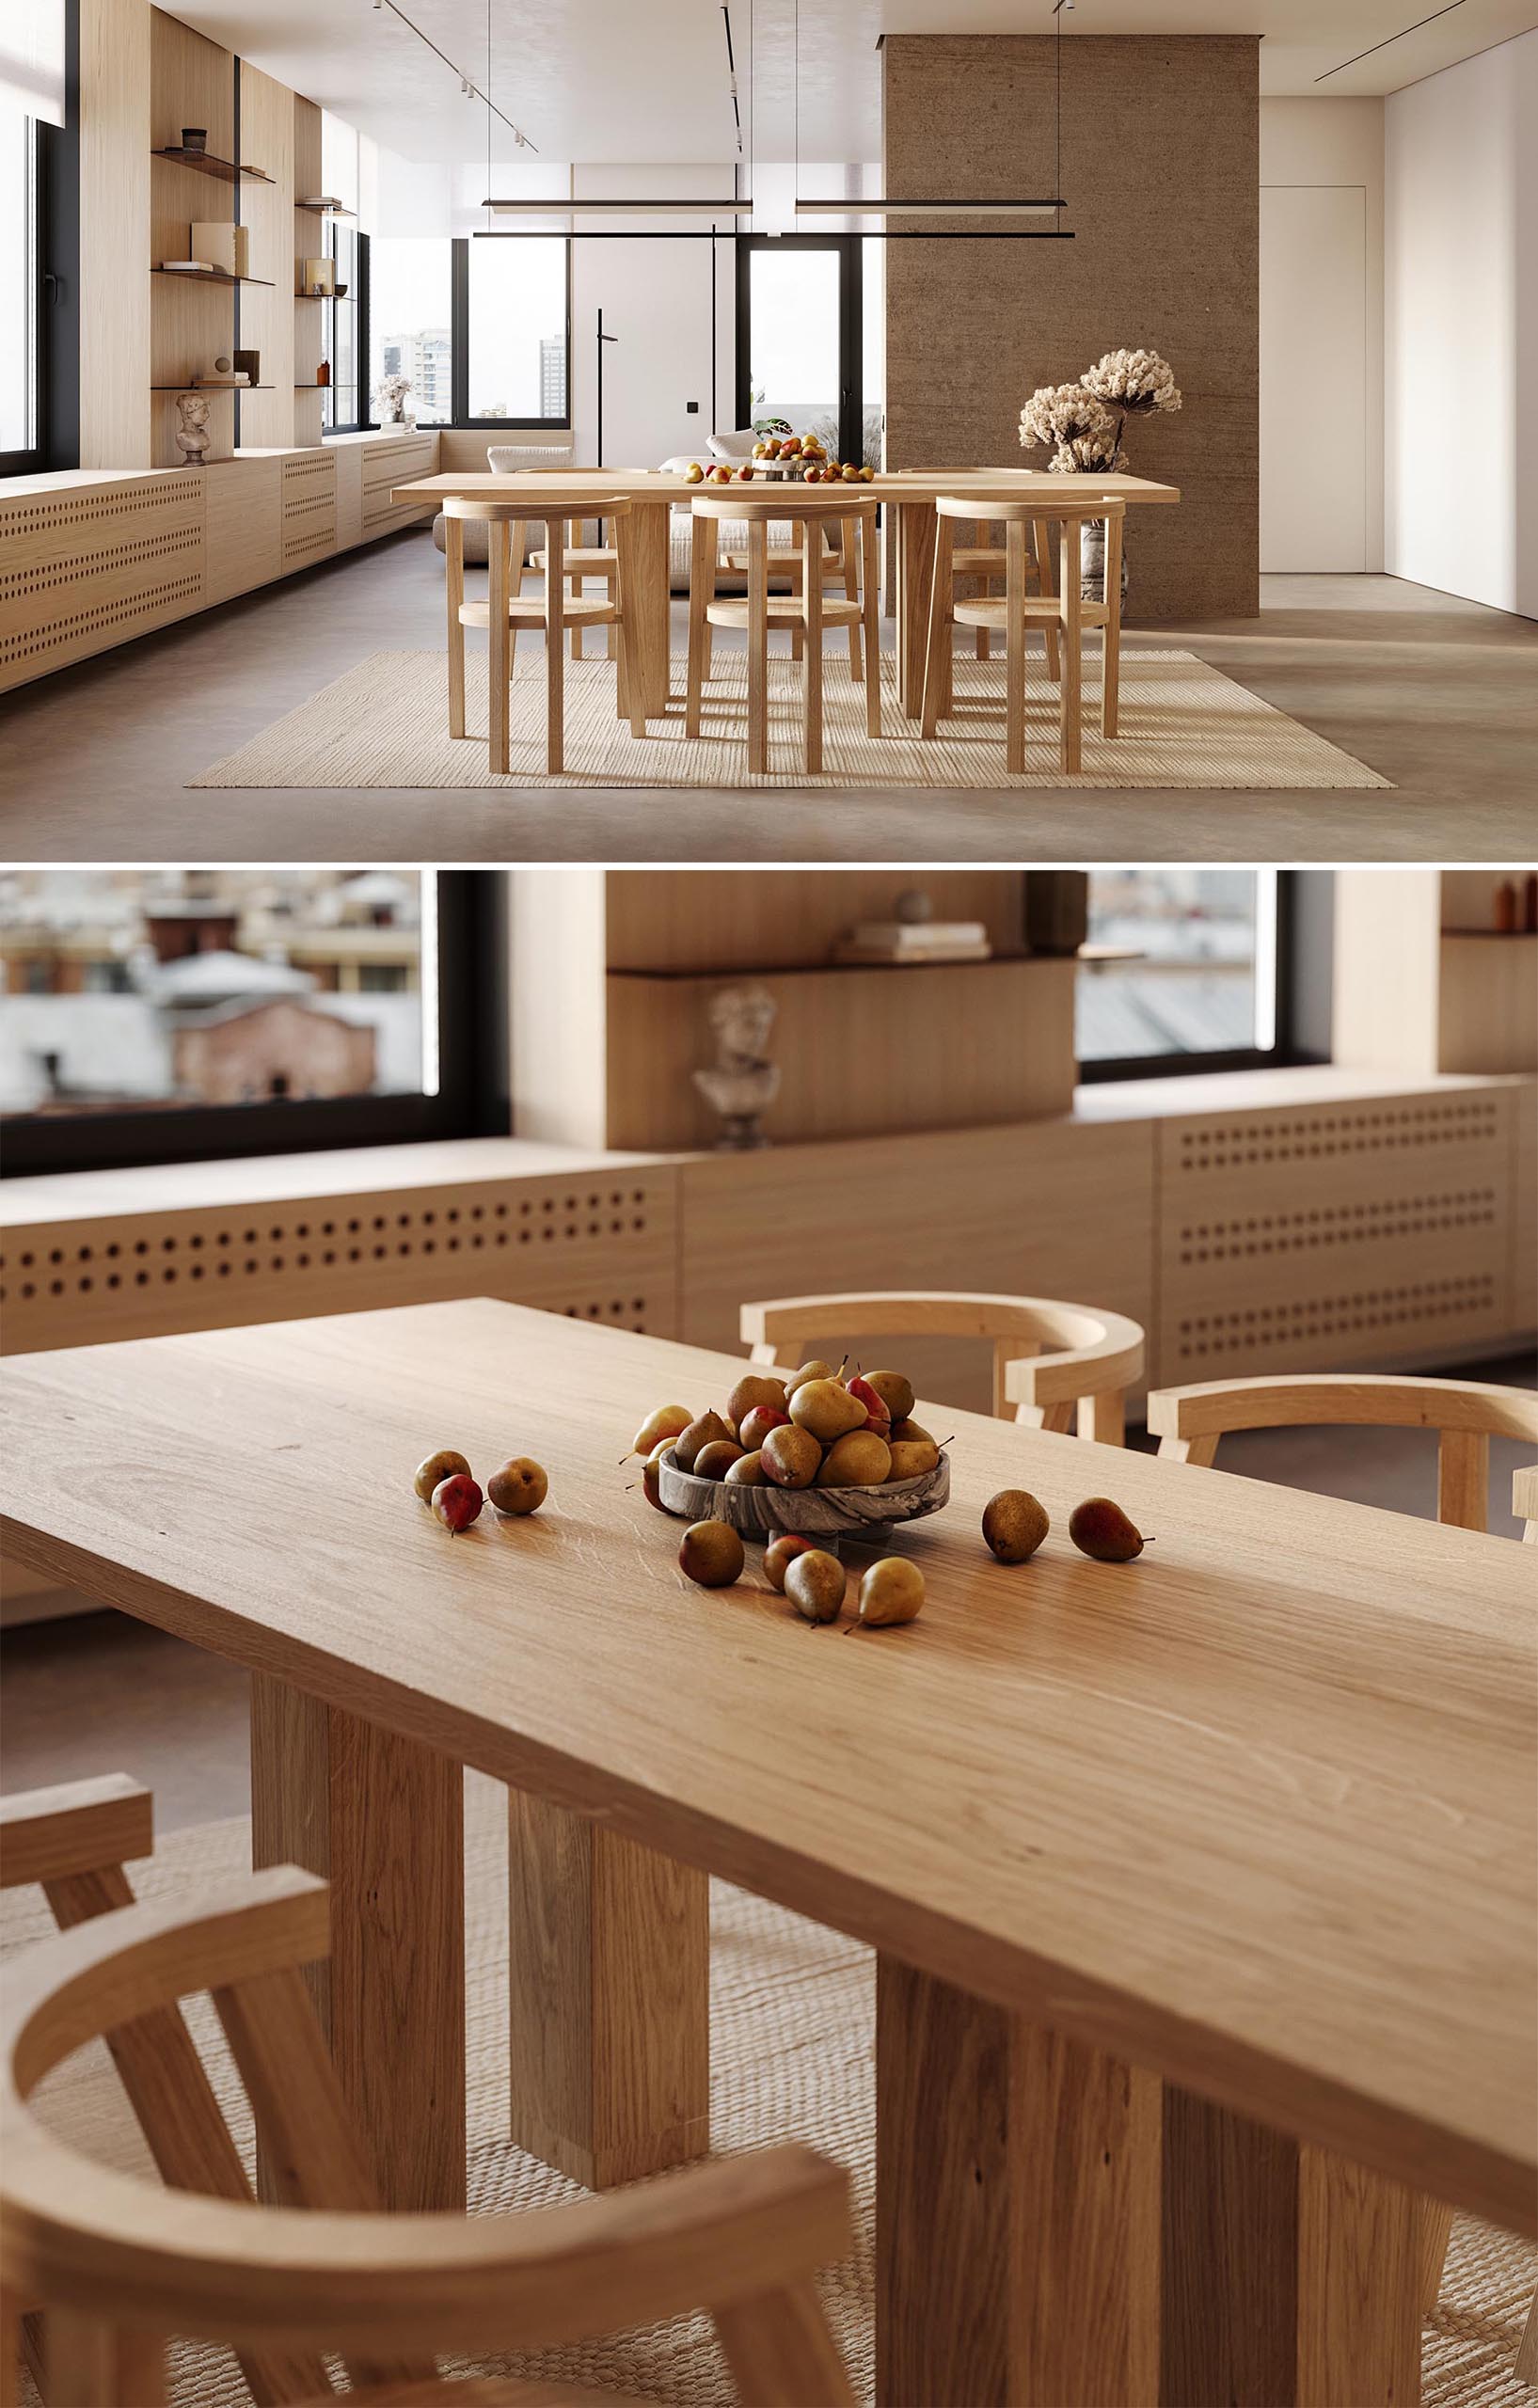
pixel 103 1693
pixel 1438 695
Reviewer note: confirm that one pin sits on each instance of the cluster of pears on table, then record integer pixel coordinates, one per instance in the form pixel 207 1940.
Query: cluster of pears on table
pixel 815 1429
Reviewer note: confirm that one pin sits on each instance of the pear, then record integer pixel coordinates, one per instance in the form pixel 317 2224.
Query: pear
pixel 1100 1528
pixel 711 1554
pixel 650 1474
pixel 446 1465
pixel 791 1457
pixel 910 1458
pixel 757 1423
pixel 747 1472
pixel 754 1388
pixel 691 1442
pixel 858 1460
pixel 815 1585
pixel 668 1422
pixel 1014 1525
pixel 906 1430
pixel 895 1390
pixel 826 1409
pixel 892 1591
pixel 716 1460
pixel 781 1554
pixel 520 1487
pixel 817 1370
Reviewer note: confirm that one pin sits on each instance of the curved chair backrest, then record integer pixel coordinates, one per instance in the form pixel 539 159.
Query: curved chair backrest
pixel 1029 508
pixel 120 2266
pixel 1467 1414
pixel 787 500
pixel 1047 1357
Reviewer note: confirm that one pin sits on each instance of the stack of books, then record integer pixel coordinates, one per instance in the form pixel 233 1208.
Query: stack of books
pixel 915 941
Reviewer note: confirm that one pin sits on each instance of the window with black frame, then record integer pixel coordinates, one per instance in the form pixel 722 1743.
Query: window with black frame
pixel 185 1014
pixel 1184 970
pixel 20 275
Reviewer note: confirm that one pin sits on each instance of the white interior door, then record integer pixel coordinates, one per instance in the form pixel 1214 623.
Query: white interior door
pixel 1315 441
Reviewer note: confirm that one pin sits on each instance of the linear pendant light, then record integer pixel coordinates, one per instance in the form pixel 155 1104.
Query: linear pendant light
pixel 589 208
pixel 855 205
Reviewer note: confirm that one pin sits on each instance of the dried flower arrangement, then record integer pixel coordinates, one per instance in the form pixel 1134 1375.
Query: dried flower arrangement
pixel 1083 422
pixel 392 393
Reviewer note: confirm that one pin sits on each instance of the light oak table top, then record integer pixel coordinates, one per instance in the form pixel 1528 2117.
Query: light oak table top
pixel 918 487
pixel 1257 1812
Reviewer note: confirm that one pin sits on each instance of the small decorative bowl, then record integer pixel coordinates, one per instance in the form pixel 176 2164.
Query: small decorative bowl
pixel 812 1512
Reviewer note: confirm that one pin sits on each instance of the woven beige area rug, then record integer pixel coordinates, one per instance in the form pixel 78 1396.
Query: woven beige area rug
pixel 1182 724
pixel 792 2022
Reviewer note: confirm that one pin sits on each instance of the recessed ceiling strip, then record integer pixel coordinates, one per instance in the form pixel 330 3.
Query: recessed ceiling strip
pixel 1387 39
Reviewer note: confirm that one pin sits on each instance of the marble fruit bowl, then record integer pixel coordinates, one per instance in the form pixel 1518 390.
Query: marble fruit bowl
pixel 813 1512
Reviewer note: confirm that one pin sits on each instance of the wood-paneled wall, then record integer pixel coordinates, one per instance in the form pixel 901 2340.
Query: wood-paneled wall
pixel 115 289
pixel 1422 984
pixel 268 315
pixel 1160 166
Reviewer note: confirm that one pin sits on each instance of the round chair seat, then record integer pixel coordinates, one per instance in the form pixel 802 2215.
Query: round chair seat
pixel 528 611
pixel 784 610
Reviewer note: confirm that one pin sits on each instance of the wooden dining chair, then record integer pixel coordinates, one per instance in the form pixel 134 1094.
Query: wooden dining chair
pixel 76 1843
pixel 1525 1500
pixel 1027 526
pixel 1049 1358
pixel 840 553
pixel 1466 1415
pixel 987 564
pixel 506 610
pixel 120 2268
pixel 810 608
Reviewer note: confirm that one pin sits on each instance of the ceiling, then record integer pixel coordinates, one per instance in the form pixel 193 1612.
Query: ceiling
pixel 603 80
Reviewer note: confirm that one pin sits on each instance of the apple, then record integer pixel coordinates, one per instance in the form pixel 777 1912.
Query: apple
pixel 693 474
pixel 812 476
pixel 746 473
pixel 867 475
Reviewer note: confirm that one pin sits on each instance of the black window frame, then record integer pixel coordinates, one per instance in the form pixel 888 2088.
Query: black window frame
pixel 56 294
pixel 1288 1053
pixel 851 342
pixel 473 1097
pixel 459 347
pixel 356 300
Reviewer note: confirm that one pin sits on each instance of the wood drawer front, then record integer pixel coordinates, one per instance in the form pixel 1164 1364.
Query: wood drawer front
pixel 388 465
pixel 601 1246
pixel 1334 1236
pixel 310 509
pixel 93 565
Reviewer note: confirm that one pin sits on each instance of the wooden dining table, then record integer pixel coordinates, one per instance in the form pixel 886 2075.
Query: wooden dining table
pixel 909 494
pixel 1203 1887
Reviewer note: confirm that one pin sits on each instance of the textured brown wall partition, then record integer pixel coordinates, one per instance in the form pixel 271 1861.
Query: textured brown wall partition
pixel 1161 169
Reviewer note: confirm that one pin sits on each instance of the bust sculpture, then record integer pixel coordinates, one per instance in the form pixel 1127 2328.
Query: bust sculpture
pixel 742 1082
pixel 192 435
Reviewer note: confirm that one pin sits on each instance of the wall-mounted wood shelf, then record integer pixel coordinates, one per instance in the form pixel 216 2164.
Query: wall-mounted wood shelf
pixel 325 208
pixel 212 275
pixel 225 172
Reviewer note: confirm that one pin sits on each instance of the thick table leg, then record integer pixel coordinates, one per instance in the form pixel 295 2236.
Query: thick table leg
pixel 1292 2276
pixel 608 1967
pixel 916 523
pixel 381 1818
pixel 649 523
pixel 1017 2210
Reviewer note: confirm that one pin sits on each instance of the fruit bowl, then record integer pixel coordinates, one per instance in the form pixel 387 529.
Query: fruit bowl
pixel 812 1512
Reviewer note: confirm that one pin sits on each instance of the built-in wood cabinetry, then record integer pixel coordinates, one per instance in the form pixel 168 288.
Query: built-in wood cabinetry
pixel 92 558
pixel 614 975
pixel 1425 978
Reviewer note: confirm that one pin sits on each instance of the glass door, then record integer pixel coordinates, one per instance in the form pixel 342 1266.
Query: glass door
pixel 799 338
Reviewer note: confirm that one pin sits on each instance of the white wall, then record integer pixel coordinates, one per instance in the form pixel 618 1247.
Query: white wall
pixel 655 298
pixel 1321 267
pixel 1461 328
